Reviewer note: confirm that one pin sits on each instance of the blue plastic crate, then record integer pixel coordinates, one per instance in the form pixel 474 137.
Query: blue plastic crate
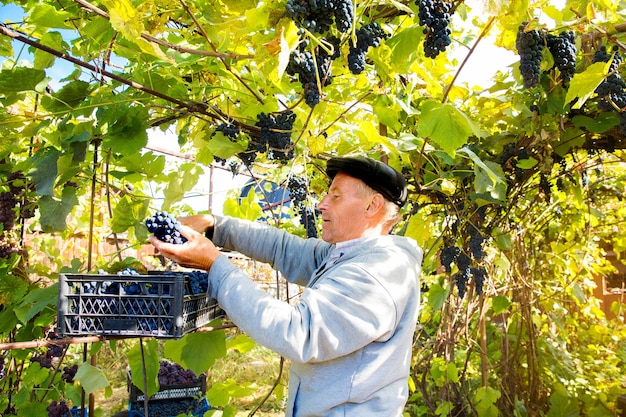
pixel 158 305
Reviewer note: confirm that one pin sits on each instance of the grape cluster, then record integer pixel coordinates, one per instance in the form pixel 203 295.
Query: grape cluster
pixel 307 219
pixel 479 279
pixel 165 228
pixel 167 408
pixel 318 15
pixel 297 187
pixel 563 49
pixel 171 373
pixel 69 372
pixel 612 91
pixel 312 71
pixel 463 275
pixel 370 35
pixel 58 409
pixel 2 366
pixel 475 243
pixel 448 255
pixel 197 281
pixel 529 44
pixel 435 16
pixel 44 359
pixel 275 137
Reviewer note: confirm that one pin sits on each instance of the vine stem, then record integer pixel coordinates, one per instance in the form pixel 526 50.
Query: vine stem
pixel 192 106
pixel 221 58
pixel 472 49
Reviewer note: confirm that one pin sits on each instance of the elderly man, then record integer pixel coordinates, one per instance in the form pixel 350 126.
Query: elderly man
pixel 349 337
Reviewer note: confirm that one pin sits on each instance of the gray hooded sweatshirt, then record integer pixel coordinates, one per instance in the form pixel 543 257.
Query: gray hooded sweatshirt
pixel 349 337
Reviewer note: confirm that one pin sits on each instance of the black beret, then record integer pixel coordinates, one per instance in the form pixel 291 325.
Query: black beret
pixel 380 177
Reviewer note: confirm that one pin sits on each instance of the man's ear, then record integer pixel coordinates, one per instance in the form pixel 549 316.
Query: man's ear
pixel 376 204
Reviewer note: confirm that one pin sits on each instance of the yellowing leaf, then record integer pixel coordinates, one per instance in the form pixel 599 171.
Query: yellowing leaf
pixel 585 83
pixel 124 18
pixel 419 228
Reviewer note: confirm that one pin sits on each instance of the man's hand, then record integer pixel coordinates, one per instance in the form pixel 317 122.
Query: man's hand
pixel 197 252
pixel 198 222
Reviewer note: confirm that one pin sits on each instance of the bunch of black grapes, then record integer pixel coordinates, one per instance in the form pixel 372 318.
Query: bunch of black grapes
pixel 435 16
pixel 313 69
pixel 58 409
pixel 165 227
pixel 318 15
pixel 297 187
pixel 370 35
pixel 172 373
pixel 275 136
pixel 612 91
pixel 563 49
pixel 529 44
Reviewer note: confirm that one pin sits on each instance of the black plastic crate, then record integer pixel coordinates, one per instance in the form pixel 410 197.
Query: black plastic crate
pixel 158 305
pixel 172 408
pixel 168 392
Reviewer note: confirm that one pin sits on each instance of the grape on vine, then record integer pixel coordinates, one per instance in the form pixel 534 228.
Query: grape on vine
pixel 529 44
pixel 435 16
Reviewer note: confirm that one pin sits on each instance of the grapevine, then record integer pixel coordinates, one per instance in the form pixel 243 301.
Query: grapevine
pixel 435 16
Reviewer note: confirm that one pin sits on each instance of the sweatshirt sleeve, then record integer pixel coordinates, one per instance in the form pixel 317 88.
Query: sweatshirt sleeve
pixel 294 257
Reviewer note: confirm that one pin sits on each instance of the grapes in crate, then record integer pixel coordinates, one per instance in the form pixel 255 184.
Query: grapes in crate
pixel 165 227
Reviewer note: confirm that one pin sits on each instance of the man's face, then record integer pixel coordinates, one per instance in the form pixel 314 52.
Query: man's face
pixel 343 210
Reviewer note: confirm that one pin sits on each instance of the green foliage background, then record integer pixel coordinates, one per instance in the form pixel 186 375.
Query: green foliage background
pixel 535 342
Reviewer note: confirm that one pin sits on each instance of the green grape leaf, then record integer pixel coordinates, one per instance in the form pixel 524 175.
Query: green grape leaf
pixel 67 98
pixel 150 353
pixel 221 392
pixel 36 301
pixel 21 79
pixel 44 59
pixel 245 208
pixel 242 342
pixel 446 125
pixel 128 212
pixel 45 15
pixel 437 296
pixel 180 182
pixel 54 212
pixel 91 378
pixel 197 351
pixel 500 304
pixel 222 146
